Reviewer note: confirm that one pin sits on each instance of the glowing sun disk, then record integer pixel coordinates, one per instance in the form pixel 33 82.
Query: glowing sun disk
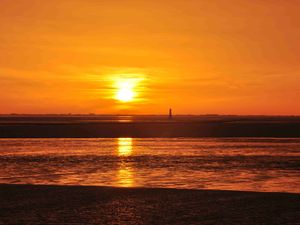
pixel 125 90
pixel 125 94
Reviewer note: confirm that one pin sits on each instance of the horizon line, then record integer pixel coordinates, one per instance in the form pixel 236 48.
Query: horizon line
pixel 121 114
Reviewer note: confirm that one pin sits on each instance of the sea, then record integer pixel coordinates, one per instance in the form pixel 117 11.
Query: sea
pixel 243 164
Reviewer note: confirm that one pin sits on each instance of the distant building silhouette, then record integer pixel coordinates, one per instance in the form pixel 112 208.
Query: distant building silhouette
pixel 170 113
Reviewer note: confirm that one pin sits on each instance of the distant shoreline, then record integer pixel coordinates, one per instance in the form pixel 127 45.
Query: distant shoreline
pixel 150 126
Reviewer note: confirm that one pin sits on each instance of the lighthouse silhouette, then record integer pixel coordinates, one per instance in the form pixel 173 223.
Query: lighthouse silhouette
pixel 170 113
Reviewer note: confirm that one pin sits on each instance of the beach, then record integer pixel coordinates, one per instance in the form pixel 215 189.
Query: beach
pixel 40 204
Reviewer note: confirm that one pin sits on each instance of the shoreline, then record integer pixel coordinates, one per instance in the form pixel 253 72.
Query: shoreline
pixel 37 204
pixel 150 129
pixel 148 126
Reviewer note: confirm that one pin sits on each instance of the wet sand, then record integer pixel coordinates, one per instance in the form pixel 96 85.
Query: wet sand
pixel 155 126
pixel 31 204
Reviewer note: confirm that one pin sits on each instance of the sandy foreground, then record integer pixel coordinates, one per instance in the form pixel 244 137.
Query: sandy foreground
pixel 38 204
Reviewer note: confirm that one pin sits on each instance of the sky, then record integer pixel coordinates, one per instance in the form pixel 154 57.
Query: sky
pixel 195 56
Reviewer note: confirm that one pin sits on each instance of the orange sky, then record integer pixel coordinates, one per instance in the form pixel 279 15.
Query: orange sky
pixel 196 56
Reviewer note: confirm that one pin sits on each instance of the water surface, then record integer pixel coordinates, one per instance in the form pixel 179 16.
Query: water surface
pixel 253 164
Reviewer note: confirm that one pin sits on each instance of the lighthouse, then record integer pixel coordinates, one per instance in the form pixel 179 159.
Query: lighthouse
pixel 170 114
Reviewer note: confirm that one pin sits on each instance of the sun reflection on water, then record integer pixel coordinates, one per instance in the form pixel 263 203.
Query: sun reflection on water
pixel 125 174
pixel 125 177
pixel 124 146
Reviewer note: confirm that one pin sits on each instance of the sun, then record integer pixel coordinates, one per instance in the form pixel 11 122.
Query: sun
pixel 126 89
pixel 125 92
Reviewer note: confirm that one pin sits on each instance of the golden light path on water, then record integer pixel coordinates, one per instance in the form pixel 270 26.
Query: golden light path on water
pixel 124 146
pixel 190 163
pixel 125 174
